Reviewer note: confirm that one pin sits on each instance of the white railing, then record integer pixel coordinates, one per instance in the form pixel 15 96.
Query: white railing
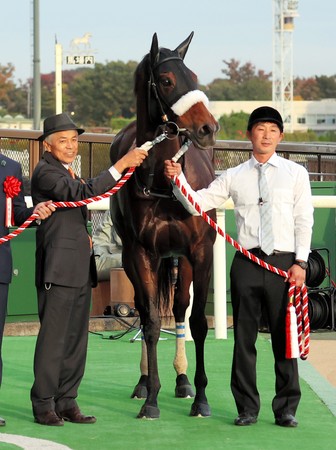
pixel 220 300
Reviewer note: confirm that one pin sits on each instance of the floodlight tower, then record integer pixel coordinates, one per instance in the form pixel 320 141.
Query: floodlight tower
pixel 284 12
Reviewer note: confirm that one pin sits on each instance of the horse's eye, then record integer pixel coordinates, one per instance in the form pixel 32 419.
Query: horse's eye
pixel 165 82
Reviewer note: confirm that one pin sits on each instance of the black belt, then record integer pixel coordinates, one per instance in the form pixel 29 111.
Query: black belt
pixel 258 252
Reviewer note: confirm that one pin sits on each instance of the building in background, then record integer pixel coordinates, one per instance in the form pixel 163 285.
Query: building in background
pixel 318 116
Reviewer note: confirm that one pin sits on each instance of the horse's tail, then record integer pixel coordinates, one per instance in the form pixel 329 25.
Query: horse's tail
pixel 167 280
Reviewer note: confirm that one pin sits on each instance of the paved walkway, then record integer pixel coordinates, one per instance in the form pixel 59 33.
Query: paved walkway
pixel 322 356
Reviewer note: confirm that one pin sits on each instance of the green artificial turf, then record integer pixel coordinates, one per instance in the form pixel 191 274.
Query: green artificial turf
pixel 113 370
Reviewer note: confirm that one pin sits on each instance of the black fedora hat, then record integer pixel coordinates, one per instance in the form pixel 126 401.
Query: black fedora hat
pixel 265 114
pixel 58 122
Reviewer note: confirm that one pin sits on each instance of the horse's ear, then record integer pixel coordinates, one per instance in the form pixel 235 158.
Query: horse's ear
pixel 154 51
pixel 183 47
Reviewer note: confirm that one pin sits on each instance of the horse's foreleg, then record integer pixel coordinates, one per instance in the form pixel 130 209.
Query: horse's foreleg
pixel 199 330
pixel 183 387
pixel 151 330
pixel 150 408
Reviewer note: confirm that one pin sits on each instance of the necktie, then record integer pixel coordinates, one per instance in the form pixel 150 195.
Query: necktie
pixel 72 173
pixel 265 208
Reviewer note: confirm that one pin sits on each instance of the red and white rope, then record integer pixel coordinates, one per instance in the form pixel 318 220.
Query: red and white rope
pixel 301 296
pixel 76 204
pixel 145 146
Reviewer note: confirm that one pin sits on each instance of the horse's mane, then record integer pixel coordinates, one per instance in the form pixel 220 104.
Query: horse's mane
pixel 141 74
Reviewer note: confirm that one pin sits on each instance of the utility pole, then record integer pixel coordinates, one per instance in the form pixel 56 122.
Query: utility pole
pixel 284 12
pixel 58 76
pixel 37 74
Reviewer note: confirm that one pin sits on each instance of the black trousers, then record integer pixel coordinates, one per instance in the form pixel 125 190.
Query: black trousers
pixel 253 287
pixel 61 347
pixel 3 313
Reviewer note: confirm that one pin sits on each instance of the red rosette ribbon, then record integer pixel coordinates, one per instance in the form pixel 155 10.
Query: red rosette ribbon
pixel 12 187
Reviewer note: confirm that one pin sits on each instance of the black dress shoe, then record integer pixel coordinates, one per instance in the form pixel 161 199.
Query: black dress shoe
pixel 74 415
pixel 245 419
pixel 2 422
pixel 286 420
pixel 49 418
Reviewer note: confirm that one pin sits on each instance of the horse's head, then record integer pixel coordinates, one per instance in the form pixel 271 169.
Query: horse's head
pixel 172 94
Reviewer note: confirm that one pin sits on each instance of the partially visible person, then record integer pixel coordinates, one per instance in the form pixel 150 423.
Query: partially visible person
pixel 107 247
pixel 65 272
pixel 12 206
pixel 288 247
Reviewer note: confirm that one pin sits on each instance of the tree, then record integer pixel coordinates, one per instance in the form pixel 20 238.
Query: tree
pixel 242 82
pixel 6 85
pixel 221 90
pixel 327 86
pixel 102 93
pixel 306 89
pixel 240 74
pixel 18 100
pixel 48 90
pixel 233 126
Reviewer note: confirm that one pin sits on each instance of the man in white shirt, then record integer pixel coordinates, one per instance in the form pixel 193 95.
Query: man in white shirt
pixel 253 287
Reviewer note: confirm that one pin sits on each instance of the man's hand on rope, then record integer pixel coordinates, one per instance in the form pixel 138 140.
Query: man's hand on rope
pixel 133 157
pixel 172 168
pixel 44 209
pixel 296 275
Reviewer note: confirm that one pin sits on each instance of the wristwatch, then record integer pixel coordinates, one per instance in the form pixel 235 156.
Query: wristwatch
pixel 302 264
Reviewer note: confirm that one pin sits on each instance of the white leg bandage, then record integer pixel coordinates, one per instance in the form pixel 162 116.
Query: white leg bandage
pixel 180 361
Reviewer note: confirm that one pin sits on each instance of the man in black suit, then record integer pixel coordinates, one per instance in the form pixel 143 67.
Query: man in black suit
pixel 10 183
pixel 65 272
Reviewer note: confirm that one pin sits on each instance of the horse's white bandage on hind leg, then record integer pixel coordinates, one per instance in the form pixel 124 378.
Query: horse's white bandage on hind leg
pixel 180 360
pixel 188 100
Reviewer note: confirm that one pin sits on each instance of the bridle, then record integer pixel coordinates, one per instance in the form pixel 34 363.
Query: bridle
pixel 152 89
pixel 172 129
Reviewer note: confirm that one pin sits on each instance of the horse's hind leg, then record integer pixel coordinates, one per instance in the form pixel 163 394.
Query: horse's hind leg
pixel 183 388
pixel 140 390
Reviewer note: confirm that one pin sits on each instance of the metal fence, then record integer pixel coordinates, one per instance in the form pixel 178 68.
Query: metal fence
pixel 94 155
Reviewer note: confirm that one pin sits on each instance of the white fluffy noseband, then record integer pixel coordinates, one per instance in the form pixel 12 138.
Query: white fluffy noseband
pixel 184 103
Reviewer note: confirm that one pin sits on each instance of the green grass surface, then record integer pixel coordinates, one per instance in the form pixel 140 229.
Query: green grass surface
pixel 113 370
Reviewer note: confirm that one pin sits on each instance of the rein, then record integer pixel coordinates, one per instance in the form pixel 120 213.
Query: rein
pixel 147 189
pixel 297 298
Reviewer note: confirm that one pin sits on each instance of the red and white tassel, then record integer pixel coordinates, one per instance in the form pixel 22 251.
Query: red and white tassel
pixel 292 343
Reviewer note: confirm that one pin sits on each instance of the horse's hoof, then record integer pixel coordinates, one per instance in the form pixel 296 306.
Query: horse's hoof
pixel 149 412
pixel 183 388
pixel 200 410
pixel 140 392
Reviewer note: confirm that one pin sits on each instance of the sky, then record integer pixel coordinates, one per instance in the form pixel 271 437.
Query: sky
pixel 123 31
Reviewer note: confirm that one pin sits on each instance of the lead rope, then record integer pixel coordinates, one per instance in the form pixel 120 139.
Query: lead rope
pixel 297 338
pixel 146 146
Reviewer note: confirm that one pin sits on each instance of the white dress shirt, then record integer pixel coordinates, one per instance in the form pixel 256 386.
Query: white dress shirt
pixel 290 195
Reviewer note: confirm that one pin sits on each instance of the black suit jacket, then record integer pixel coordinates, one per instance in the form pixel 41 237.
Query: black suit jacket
pixel 9 167
pixel 62 241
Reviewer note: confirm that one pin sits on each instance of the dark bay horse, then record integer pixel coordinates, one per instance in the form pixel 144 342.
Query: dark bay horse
pixel 155 229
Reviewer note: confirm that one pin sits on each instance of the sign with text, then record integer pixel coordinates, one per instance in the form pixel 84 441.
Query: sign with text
pixel 80 59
